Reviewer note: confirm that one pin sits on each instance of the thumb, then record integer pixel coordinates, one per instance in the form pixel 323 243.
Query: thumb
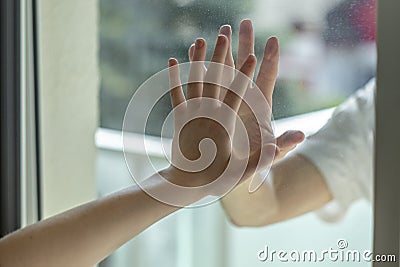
pixel 289 139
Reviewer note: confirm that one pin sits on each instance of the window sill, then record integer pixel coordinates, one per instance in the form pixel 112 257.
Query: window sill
pixel 107 139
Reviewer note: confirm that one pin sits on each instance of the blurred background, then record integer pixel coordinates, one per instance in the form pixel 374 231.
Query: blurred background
pixel 327 47
pixel 327 52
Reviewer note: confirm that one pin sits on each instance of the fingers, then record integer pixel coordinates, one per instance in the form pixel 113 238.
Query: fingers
pixel 289 139
pixel 196 74
pixel 246 42
pixel 190 52
pixel 227 31
pixel 176 93
pixel 233 97
pixel 287 142
pixel 229 72
pixel 269 69
pixel 199 51
pixel 214 73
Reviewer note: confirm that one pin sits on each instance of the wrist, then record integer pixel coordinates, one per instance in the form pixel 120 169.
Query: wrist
pixel 185 179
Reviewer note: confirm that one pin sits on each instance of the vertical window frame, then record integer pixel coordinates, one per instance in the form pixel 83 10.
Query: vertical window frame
pixel 10 84
pixel 387 167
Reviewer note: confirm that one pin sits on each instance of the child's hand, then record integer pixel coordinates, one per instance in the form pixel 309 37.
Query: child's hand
pixel 206 122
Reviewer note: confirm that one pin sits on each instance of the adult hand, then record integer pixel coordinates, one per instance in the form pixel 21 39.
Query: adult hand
pixel 265 82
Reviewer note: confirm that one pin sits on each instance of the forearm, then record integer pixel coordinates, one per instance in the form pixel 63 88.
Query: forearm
pixel 85 235
pixel 297 187
pixel 250 209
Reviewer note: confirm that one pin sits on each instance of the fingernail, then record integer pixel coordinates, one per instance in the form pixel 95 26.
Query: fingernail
pixel 271 48
pixel 171 61
pixel 199 43
pixel 225 30
pixel 299 135
pixel 293 136
pixel 221 39
pixel 245 25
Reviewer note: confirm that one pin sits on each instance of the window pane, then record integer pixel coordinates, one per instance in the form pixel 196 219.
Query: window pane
pixel 327 53
pixel 327 48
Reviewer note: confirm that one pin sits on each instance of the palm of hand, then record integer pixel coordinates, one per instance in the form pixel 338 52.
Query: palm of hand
pixel 257 120
pixel 205 122
pixel 201 144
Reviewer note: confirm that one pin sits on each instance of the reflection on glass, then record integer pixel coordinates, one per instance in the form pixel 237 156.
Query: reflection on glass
pixel 327 52
pixel 327 47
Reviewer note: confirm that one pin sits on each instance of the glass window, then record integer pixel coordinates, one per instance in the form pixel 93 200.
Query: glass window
pixel 327 47
pixel 327 52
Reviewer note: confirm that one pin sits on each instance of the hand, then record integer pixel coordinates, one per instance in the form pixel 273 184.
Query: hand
pixel 265 82
pixel 210 113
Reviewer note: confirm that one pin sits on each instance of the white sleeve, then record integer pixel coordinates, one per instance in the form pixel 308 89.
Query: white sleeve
pixel 342 150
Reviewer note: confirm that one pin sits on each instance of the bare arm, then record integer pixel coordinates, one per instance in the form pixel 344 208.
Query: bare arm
pixel 297 187
pixel 85 235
